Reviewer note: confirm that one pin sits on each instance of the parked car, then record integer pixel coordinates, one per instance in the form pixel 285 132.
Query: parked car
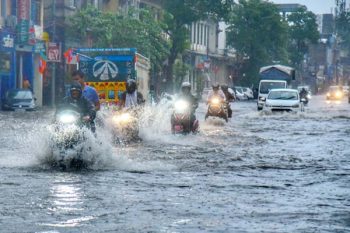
pixel 283 100
pixel 240 93
pixel 19 99
pixel 248 92
pixel 335 93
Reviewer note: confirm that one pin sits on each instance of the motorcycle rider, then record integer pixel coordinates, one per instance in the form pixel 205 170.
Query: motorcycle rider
pixel 89 92
pixel 131 97
pixel 303 93
pixel 216 92
pixel 187 96
pixel 230 97
pixel 77 102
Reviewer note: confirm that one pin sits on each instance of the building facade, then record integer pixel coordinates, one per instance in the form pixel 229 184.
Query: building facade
pixel 21 30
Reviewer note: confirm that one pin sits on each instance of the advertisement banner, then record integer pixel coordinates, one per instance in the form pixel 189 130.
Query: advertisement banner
pixel 108 68
pixel 54 52
pixel 23 16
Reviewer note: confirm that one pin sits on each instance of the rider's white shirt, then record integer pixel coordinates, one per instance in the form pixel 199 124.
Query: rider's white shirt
pixel 220 94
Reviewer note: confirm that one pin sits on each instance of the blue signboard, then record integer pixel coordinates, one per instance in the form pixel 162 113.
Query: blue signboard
pixel 117 68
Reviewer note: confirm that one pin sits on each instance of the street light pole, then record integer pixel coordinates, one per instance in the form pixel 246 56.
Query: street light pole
pixel 53 81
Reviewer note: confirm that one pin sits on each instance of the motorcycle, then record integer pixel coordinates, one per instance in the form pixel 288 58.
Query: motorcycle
pixel 305 98
pixel 217 108
pixel 125 126
pixel 67 138
pixel 181 119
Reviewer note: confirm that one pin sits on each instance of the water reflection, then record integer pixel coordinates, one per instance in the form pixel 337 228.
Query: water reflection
pixel 67 202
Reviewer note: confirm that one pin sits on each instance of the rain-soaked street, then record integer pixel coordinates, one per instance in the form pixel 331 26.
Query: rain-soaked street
pixel 259 173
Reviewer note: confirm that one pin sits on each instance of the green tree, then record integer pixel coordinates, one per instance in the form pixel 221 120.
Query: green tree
pixel 302 32
pixel 182 13
pixel 259 35
pixel 113 30
pixel 343 24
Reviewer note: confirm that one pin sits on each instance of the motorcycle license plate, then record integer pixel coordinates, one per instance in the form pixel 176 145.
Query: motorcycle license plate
pixel 178 128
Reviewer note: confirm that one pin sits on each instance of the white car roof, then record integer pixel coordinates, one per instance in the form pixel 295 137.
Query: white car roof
pixel 285 89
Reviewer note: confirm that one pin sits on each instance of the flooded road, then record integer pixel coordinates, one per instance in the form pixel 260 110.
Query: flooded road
pixel 259 173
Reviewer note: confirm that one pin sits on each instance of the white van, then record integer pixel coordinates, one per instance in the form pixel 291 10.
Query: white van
pixel 264 88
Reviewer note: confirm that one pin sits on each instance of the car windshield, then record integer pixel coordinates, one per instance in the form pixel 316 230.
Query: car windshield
pixel 335 88
pixel 283 95
pixel 238 89
pixel 265 87
pixel 20 95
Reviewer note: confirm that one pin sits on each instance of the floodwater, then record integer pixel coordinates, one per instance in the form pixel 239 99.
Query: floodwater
pixel 261 172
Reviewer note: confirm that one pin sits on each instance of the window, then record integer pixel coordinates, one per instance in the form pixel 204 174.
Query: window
pixel 72 3
pixel 205 35
pixel 194 33
pixel 198 29
pixel 201 34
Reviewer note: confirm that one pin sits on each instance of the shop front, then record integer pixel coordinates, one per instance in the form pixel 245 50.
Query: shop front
pixel 7 62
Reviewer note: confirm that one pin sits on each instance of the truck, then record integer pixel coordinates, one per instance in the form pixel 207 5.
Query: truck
pixel 108 69
pixel 273 77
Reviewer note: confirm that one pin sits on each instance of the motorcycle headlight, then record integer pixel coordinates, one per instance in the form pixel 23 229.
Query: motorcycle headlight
pixel 215 101
pixel 122 118
pixel 328 94
pixel 181 105
pixel 308 96
pixel 67 119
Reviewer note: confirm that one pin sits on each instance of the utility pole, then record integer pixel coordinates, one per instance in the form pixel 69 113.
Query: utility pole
pixel 53 81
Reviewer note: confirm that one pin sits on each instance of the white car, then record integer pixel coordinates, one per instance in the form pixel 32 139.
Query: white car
pixel 240 94
pixel 283 100
pixel 248 92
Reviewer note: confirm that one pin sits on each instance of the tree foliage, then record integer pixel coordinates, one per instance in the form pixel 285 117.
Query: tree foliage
pixel 343 24
pixel 114 30
pixel 302 32
pixel 258 34
pixel 180 15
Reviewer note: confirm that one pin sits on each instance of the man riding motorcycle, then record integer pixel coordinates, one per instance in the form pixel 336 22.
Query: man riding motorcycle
pixel 218 96
pixel 304 95
pixel 77 102
pixel 126 121
pixel 186 96
pixel 131 97
pixel 230 97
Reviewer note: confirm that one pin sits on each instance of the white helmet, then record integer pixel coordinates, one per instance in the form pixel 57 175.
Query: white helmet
pixel 186 84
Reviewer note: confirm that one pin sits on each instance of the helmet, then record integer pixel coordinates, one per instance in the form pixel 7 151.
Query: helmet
pixel 215 86
pixel 224 87
pixel 186 87
pixel 131 86
pixel 75 87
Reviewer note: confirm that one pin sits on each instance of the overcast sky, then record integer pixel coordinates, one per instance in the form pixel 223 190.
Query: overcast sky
pixel 317 6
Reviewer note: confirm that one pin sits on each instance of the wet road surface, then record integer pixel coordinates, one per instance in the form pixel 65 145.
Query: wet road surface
pixel 261 172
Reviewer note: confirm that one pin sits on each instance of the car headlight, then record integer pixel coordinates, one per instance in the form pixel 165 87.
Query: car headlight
pixel 338 94
pixel 67 119
pixel 181 105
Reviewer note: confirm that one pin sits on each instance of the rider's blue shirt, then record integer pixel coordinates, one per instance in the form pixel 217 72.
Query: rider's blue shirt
pixel 91 94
